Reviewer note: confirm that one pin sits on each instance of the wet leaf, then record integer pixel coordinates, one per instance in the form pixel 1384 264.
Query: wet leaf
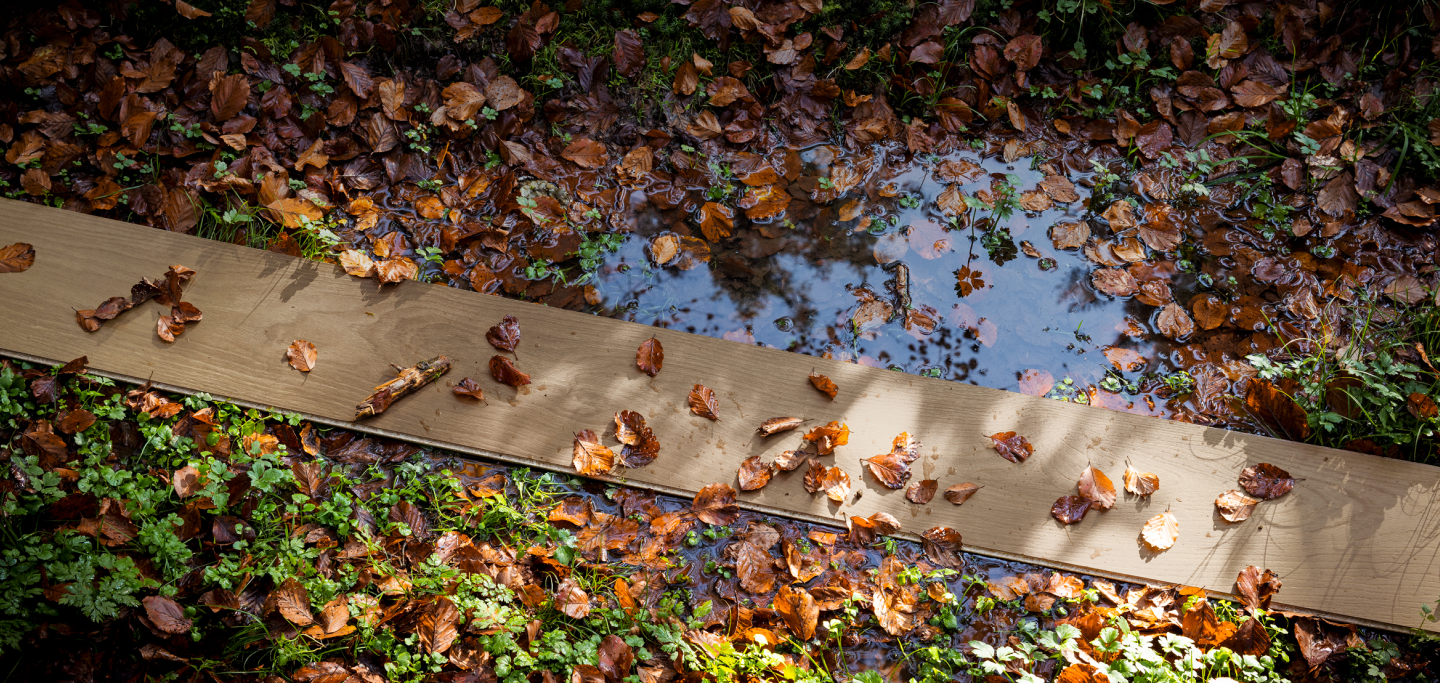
pixel 942 546
pixel 1011 446
pixel 650 356
pixel 301 355
pixel 571 600
pixel 506 335
pixel 293 603
pixel 1124 360
pixel 629 55
pixel 1210 312
pixel 589 456
pixel 1256 586
pixel 960 493
pixel 615 659
pixel 1422 407
pixel 1115 281
pixel 824 384
pixel 469 388
pixel 167 615
pixel 504 371
pixel 1140 483
pixel 168 328
pixel 1070 509
pixel 864 530
pixel 703 402
pixel 1036 382
pixel 1161 531
pixel 1266 481
pixel 504 93
pixel 715 505
pixel 586 153
pixel 797 607
pixel 891 469
pixel 357 263
pixel 1097 488
pixel 16 257
pixel 1060 189
pixel 436 627
pixel 664 248
pixel 755 473
pixel 628 425
pixel 716 221
pixel 1174 323
pixel 776 425
pixel 920 492
pixel 1120 215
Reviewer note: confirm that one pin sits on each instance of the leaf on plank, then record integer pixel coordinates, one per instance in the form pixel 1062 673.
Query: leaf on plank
pixel 650 356
pixel 504 371
pixel 301 355
pixel 827 437
pixel 1266 481
pixel 776 425
pixel 1011 446
pixel 960 493
pixel 755 473
pixel 1235 506
pixel 590 456
pixel 469 389
pixel 1070 509
pixel 1161 531
pixel 506 335
pixel 824 384
pixel 1140 483
pixel 1097 488
pixel 920 492
pixel 703 402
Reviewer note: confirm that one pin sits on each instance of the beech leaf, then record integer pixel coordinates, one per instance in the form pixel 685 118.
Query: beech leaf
pixel 703 402
pixel 1161 531
pixel 301 355
pixel 960 493
pixel 650 356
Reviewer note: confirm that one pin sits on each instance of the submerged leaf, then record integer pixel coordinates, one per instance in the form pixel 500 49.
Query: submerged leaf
pixel 590 457
pixel 715 505
pixel 799 610
pixel 942 546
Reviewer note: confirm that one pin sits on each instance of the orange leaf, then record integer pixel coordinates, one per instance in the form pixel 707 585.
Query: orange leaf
pixel 1161 531
pixel 703 402
pixel 650 356
pixel 824 384
pixel 301 355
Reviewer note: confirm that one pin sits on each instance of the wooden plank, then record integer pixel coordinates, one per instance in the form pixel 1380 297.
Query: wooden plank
pixel 1359 537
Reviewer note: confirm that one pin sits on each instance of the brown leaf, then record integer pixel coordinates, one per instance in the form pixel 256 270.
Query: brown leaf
pixel 715 505
pixel 942 546
pixel 775 425
pixel 703 402
pixel 1114 281
pixel 319 672
pixel 398 269
pixel 1069 234
pixel 650 356
pixel 628 425
pixel 687 79
pixel 504 371
pixel 293 603
pixel 301 355
pixel 824 384
pixel 754 473
pixel 1421 407
pixel 571 600
pixel 1266 481
pixel 228 96
pixel 74 421
pixel 960 493
pixel 186 481
pixel 1097 488
pixel 1257 586
pixel 1210 312
pixel 864 530
pixel 1070 509
pixel 716 221
pixel 828 437
pixel 1059 188
pixel 1161 531
pixel 615 658
pixel 469 388
pixel 169 328
pixel 1140 483
pixel 504 93
pixel 629 55
pixel 586 153
pixel 891 469
pixel 797 607
pixel 641 445
pixel 1235 506
pixel 189 11
pixel 1174 323
pixel 920 492
pixel 1253 94
pixel 834 481
pixel 167 615
pixel 436 627
pixel 589 456
pixel 1011 446
pixel 1338 196
pixel 790 460
pixel 506 335
pixel 16 257
pixel 357 263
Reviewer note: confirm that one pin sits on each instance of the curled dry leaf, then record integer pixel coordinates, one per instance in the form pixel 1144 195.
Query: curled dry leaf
pixel 960 493
pixel 824 384
pixel 776 425
pixel 1097 488
pixel 1140 483
pixel 1266 481
pixel 506 335
pixel 715 505
pixel 790 460
pixel 468 388
pixel 920 492
pixel 1161 531
pixel 828 436
pixel 893 469
pixel 504 371
pixel 301 355
pixel 16 257
pixel 1235 506
pixel 1070 509
pixel 650 356
pixel 703 402
pixel 1011 446
pixel 834 481
pixel 755 473
pixel 590 457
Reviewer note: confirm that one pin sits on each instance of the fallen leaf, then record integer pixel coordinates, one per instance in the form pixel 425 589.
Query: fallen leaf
pixel 715 505
pixel 1097 488
pixel 790 460
pixel 628 425
pixel 571 600
pixel 436 626
pixel 586 153
pixel 169 328
pixel 864 530
pixel 960 493
pixel 1011 446
pixel 1266 481
pixel 469 388
pixel 589 456
pixel 776 425
pixel 1070 509
pixel 942 545
pixel 893 469
pixel 504 371
pixel 301 355
pixel 16 258
pixel 829 436
pixel 920 492
pixel 1161 531
pixel 703 402
pixel 754 473
pixel 799 610
pixel 824 384
pixel 645 449
pixel 167 615
pixel 1235 506
pixel 664 248
pixel 1140 483
pixel 1174 323
pixel 650 356
pixel 506 335
pixel 357 263
pixel 834 481
pixel 1257 586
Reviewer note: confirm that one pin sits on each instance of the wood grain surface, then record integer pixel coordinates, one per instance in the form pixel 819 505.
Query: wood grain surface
pixel 1359 537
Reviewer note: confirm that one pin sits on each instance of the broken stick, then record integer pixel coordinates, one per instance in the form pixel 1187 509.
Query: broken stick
pixel 409 380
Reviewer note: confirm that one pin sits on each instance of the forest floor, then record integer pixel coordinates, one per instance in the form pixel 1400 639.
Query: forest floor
pixel 1217 212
